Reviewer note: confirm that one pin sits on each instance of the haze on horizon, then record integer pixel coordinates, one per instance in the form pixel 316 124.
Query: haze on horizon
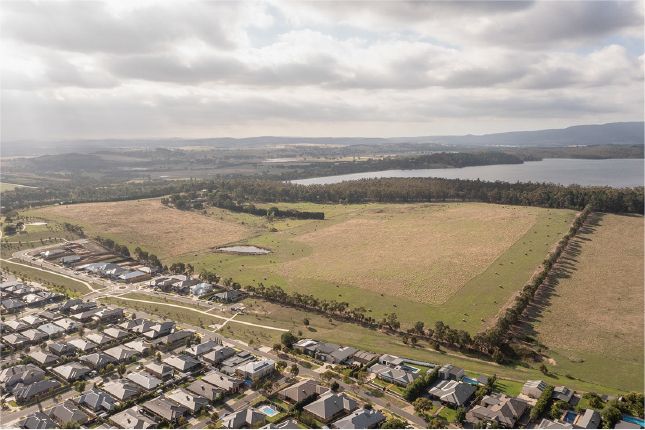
pixel 119 69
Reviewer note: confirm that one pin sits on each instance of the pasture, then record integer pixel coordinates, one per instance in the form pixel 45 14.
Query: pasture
pixel 164 231
pixel 593 325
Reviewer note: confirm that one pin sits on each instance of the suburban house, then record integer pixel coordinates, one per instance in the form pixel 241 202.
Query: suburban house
pixel 161 329
pixel 206 390
pixel 183 363
pixel 34 336
pixel 453 393
pixel 134 418
pixel 144 380
pixel 332 353
pixel 97 401
pixel 39 389
pixel 228 296
pixel 160 370
pixel 256 369
pixel 203 348
pixel 43 358
pixel 194 402
pixel 99 338
pixel 306 346
pixel 173 340
pixel 141 346
pixel 67 413
pixel 83 345
pixel 122 353
pixel 590 419
pixel 302 391
pixel 360 419
pixel 98 360
pixel 72 371
pixel 449 371
pixel 225 382
pixel 246 418
pixel 390 360
pixel 37 420
pixel 497 408
pixel 63 349
pixel 115 332
pixel 52 330
pixel 395 375
pixel 122 389
pixel 562 393
pixel 364 357
pixel 330 406
pixel 218 354
pixel 167 409
pixel 534 389
pixel 555 425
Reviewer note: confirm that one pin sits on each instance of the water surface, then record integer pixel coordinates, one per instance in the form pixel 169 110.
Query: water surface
pixel 619 172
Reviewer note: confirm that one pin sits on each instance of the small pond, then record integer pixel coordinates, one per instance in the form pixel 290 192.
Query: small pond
pixel 243 249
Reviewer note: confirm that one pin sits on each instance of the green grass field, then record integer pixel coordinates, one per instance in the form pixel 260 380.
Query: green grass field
pixel 47 279
pixel 593 326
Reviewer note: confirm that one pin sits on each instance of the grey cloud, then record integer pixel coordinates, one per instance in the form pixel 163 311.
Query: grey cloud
pixel 88 26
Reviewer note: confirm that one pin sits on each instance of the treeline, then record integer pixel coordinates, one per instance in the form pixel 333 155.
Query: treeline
pixel 385 190
pixel 427 161
pixel 221 200
pixel 111 245
pixel 140 255
pixel 500 334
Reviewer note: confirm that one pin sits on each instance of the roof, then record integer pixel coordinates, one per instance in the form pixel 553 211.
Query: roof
pixel 98 338
pixel 500 408
pixel 589 420
pixel 82 344
pixel 98 360
pixel 133 418
pixel 159 369
pixel 34 335
pixel 27 391
pixel 181 362
pixel 121 353
pixel 166 408
pixel 245 417
pixel 562 393
pixel 43 357
pixel 67 412
pixel 331 404
pixel 145 380
pixel 72 371
pixel 626 425
pixel 548 424
pixel 21 373
pixel 360 419
pixel 115 332
pixel 122 389
pixel 219 354
pixel 97 400
pixel 203 347
pixel 192 401
pixel 205 389
pixel 221 380
pixel 254 367
pixel 396 374
pixel 51 329
pixel 37 420
pixel 138 345
pixel 60 348
pixel 453 392
pixel 302 390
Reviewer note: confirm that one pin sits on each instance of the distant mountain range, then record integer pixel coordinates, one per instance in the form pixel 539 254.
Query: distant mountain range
pixel 625 133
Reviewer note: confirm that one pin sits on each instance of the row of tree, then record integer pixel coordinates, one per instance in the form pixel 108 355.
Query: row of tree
pixel 384 190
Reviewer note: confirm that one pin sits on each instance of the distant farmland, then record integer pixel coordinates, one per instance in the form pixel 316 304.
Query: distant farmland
pixel 455 262
pixel 593 325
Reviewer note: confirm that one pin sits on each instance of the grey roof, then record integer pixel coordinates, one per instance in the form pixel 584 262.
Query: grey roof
pixel 43 357
pixel 395 375
pixel 121 352
pixel 203 347
pixel 51 329
pixel 133 418
pixel 60 348
pixel 34 335
pixel 330 405
pixel 160 369
pixel 98 360
pixel 166 408
pixel 24 392
pixel 221 380
pixel 626 425
pixel 145 380
pixel 562 393
pixel 115 332
pixel 139 345
pixel 33 320
pixel 98 338
pixel 455 393
pixel 15 339
pixel 13 304
pixel 181 362
pixel 205 389
pixel 72 371
pixel 589 420
pixel 67 324
pixel 17 325
pixel 500 408
pixel 68 412
pixel 122 389
pixel 97 400
pixel 21 373
pixel 302 390
pixel 37 420
pixel 192 401
pixel 244 418
pixel 83 345
pixel 219 354
pixel 360 419
pixel 548 424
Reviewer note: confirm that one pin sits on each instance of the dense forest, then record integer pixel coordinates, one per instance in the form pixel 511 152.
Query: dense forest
pixel 427 161
pixel 386 190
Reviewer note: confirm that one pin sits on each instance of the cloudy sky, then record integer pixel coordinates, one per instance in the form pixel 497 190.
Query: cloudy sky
pixel 203 69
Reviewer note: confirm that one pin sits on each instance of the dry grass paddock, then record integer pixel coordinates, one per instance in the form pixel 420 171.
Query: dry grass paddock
pixel 147 223
pixel 423 252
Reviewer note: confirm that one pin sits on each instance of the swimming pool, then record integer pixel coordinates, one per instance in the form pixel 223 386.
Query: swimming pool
pixel 569 417
pixel 268 411
pixel 634 420
pixel 470 380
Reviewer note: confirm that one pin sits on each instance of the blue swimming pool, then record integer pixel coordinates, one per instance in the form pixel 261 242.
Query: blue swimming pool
pixel 268 410
pixel 634 420
pixel 470 381
pixel 569 417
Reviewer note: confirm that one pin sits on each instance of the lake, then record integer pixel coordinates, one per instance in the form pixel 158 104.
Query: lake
pixel 565 171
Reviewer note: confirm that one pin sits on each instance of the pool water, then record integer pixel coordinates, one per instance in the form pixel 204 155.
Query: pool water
pixel 569 417
pixel 268 410
pixel 470 380
pixel 634 420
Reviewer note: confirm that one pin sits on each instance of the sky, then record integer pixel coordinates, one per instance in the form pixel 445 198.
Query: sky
pixel 159 69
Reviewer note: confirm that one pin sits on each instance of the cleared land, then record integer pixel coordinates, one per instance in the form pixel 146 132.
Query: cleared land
pixel 147 223
pixel 455 262
pixel 593 325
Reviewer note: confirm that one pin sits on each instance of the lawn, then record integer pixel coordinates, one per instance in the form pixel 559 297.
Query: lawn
pixel 458 263
pixel 50 280
pixel 163 231
pixel 593 325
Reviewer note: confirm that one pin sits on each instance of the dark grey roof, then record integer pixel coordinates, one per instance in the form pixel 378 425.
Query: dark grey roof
pixel 37 420
pixel 360 419
pixel 97 400
pixel 67 412
pixel 25 392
